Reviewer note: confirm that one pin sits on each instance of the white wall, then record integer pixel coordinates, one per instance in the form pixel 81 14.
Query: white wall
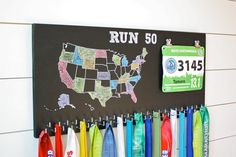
pixel 217 18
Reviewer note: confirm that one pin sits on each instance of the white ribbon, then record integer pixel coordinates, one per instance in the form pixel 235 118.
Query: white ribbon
pixel 120 138
pixel 72 148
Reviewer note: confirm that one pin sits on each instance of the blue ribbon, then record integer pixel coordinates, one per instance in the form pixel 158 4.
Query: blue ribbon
pixel 109 144
pixel 182 140
pixel 148 138
pixel 190 132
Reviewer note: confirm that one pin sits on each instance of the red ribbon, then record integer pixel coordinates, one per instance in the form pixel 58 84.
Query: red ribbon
pixel 45 145
pixel 58 141
pixel 166 137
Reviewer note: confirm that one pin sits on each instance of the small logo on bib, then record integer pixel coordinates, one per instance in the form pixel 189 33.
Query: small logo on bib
pixel 171 65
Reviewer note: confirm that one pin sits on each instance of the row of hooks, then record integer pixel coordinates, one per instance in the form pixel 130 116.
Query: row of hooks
pixel 101 121
pixel 196 43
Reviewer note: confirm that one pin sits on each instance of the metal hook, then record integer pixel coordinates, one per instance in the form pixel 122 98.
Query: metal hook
pixel 152 114
pixel 124 118
pixel 111 123
pixel 49 124
pixel 147 114
pixel 88 125
pixel 168 42
pixel 48 127
pixel 103 123
pixel 65 45
pixel 128 115
pixel 99 122
pixel 197 43
pixel 63 128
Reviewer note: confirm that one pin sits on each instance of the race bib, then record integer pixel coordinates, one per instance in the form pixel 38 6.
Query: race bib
pixel 183 68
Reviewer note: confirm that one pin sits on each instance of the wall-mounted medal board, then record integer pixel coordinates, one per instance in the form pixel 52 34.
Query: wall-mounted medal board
pixel 82 72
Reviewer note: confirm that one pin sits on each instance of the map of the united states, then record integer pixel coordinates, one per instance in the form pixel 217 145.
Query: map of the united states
pixel 101 73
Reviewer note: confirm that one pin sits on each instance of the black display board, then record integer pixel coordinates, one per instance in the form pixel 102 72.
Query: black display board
pixel 143 94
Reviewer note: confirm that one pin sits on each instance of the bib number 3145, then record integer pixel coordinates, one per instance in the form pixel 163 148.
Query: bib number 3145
pixel 195 65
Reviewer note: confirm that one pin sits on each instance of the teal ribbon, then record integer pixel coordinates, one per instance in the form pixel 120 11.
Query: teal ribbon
pixel 206 128
pixel 139 136
pixel 129 136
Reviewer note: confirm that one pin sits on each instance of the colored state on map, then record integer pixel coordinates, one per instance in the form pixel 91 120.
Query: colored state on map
pixel 109 73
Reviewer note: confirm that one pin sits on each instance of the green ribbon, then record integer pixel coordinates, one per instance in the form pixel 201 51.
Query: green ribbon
pixel 96 141
pixel 197 135
pixel 156 127
pixel 139 136
pixel 206 128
